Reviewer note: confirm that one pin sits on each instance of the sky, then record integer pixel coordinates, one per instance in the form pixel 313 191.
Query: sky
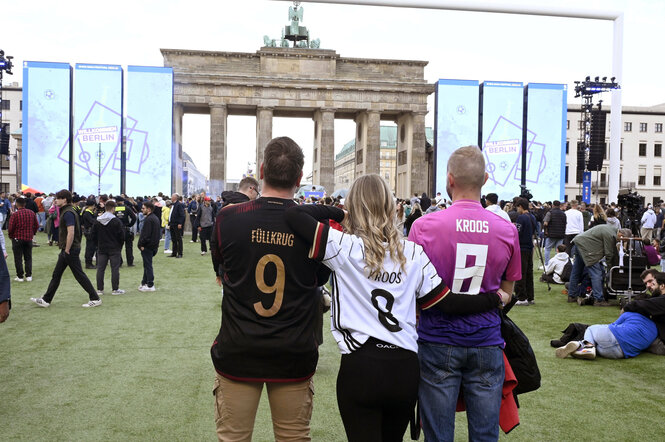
pixel 458 45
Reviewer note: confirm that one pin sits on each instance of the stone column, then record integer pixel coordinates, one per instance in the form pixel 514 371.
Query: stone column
pixel 218 131
pixel 418 164
pixel 176 183
pixel 361 143
pixel 263 134
pixel 373 146
pixel 404 144
pixel 323 170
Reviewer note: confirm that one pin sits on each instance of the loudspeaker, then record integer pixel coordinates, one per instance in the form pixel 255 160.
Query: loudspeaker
pixel 597 151
pixel 580 156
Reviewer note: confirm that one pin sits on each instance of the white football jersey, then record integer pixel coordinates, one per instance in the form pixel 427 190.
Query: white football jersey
pixel 383 306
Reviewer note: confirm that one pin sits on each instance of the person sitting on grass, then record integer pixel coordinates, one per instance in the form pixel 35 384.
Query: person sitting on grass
pixel 651 251
pixel 653 307
pixel 554 267
pixel 626 337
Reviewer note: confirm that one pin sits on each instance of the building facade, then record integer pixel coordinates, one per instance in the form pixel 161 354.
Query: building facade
pixel 12 107
pixel 345 160
pixel 641 157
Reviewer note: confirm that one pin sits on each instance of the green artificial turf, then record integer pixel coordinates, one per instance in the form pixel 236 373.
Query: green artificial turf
pixel 138 367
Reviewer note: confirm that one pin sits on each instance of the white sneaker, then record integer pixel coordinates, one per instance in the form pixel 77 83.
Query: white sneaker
pixel 147 289
pixel 568 349
pixel 141 287
pixel 525 302
pixel 100 292
pixel 93 303
pixel 17 279
pixel 118 292
pixel 28 278
pixel 40 302
pixel 203 253
pixel 167 251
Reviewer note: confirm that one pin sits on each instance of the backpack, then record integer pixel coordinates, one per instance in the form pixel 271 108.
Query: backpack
pixel 567 271
pixel 520 355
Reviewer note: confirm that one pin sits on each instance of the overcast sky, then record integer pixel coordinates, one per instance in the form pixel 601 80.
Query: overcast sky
pixel 464 45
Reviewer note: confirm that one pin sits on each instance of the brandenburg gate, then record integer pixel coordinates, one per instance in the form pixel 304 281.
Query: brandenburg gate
pixel 312 83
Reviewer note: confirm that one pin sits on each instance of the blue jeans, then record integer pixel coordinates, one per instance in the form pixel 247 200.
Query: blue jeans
pixel 551 243
pixel 595 274
pixel 41 217
pixel 446 370
pixel 167 239
pixel 606 344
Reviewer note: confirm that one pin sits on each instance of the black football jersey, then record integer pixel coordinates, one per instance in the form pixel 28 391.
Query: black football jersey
pixel 270 300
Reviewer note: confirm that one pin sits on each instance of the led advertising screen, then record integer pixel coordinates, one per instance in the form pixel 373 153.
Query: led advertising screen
pixel 97 128
pixel 46 125
pixel 456 116
pixel 502 120
pixel 546 108
pixel 148 131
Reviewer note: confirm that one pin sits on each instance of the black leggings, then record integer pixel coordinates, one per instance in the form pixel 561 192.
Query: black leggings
pixel 377 388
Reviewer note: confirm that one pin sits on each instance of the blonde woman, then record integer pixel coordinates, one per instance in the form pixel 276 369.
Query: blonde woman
pixel 378 279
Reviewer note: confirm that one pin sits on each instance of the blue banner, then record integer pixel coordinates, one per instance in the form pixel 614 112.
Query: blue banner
pixel 149 130
pixel 456 117
pixel 586 187
pixel 502 121
pixel 46 125
pixel 97 128
pixel 546 108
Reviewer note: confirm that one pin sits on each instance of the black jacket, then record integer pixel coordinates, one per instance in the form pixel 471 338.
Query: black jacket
pixel 556 226
pixel 151 233
pixel 110 236
pixel 177 215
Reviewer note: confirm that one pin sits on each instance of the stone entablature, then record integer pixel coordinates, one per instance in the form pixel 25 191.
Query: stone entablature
pixel 312 83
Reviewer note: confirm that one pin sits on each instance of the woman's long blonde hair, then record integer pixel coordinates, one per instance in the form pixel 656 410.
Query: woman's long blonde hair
pixel 371 217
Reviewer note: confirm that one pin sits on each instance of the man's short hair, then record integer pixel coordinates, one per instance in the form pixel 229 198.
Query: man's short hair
pixel 467 166
pixel 64 194
pixel 523 203
pixel 556 203
pixel 573 203
pixel 283 161
pixel 561 248
pixel 110 204
pixel 659 277
pixel 648 272
pixel 492 198
pixel 148 205
pixel 20 201
pixel 248 182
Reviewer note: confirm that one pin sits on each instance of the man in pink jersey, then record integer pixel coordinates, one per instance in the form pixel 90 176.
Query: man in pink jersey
pixel 474 251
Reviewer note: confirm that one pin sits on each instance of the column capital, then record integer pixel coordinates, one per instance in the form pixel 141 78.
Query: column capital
pixel 265 108
pixel 328 110
pixel 217 105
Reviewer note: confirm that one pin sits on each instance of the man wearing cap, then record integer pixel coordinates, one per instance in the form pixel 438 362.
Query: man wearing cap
pixel 69 241
pixel 88 218
pixel 23 225
pixel 206 219
pixel 128 218
pixel 648 223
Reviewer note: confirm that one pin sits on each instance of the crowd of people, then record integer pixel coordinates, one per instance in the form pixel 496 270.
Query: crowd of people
pixel 416 288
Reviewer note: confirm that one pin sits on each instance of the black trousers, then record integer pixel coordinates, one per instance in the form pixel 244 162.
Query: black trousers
pixel 129 247
pixel 524 287
pixel 195 226
pixel 90 249
pixel 115 258
pixel 22 251
pixel 148 275
pixel 377 388
pixel 206 234
pixel 72 261
pixel 176 239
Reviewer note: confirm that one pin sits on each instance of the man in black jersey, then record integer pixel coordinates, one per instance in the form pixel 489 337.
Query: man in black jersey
pixel 269 307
